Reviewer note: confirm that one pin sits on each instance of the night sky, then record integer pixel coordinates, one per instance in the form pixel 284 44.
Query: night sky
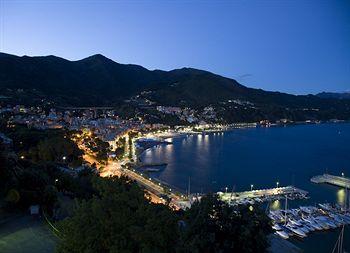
pixel 291 46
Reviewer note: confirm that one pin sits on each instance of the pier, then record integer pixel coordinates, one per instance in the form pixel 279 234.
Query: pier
pixel 264 194
pixel 331 179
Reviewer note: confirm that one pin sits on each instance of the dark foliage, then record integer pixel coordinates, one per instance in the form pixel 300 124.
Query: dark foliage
pixel 214 226
pixel 120 219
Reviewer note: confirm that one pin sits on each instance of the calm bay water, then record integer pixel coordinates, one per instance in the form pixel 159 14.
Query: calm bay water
pixel 262 156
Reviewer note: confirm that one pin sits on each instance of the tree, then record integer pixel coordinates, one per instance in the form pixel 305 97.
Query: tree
pixel 7 177
pixel 119 152
pixel 57 149
pixel 214 226
pixel 119 219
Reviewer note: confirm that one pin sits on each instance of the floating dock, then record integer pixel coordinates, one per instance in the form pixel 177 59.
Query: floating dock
pixel 331 179
pixel 263 195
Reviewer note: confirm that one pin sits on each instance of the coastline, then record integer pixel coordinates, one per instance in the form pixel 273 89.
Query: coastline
pixel 165 138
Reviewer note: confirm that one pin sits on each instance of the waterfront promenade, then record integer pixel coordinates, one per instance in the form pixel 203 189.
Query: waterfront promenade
pixel 331 179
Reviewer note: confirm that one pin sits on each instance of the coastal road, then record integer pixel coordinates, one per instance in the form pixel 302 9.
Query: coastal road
pixel 155 189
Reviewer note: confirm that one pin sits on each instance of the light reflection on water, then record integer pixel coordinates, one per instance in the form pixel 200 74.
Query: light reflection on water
pixel 239 158
pixel 341 197
pixel 275 205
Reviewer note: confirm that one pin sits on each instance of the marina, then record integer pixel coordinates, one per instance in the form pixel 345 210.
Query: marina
pixel 299 222
pixel 333 180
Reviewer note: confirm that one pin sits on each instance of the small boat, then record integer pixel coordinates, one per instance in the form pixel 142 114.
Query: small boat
pixel 306 209
pixel 327 221
pixel 326 206
pixel 296 230
pixel 304 229
pixel 282 234
pixel 344 218
pixel 312 223
pixel 308 226
pixel 277 227
pixel 323 224
pixel 295 222
pixel 336 219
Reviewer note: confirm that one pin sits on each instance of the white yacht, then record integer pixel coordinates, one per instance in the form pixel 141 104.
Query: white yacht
pixel 312 223
pixel 296 230
pixel 326 221
pixel 282 234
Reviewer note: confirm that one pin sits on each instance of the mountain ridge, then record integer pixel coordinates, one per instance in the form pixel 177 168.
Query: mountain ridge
pixel 97 80
pixel 336 95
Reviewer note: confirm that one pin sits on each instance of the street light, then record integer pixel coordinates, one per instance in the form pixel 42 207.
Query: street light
pixel 277 183
pixel 64 158
pixel 226 189
pixel 251 187
pixel 342 174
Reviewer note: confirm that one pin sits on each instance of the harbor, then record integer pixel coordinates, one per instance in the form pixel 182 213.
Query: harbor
pixel 222 172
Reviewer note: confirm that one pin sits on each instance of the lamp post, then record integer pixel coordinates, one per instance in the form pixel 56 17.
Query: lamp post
pixel 277 184
pixel 226 189
pixel 251 187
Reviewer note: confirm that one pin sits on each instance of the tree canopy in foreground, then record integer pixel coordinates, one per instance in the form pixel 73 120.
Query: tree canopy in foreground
pixel 120 219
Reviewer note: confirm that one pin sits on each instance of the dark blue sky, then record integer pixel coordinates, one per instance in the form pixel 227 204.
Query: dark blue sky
pixel 291 46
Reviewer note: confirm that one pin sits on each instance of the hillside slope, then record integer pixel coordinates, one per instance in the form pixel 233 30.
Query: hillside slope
pixel 97 80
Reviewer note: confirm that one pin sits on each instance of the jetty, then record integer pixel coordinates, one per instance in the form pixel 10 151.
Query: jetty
pixel 331 179
pixel 143 164
pixel 262 195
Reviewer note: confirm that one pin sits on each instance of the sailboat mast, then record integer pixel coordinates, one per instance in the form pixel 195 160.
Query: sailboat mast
pixel 189 186
pixel 285 213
